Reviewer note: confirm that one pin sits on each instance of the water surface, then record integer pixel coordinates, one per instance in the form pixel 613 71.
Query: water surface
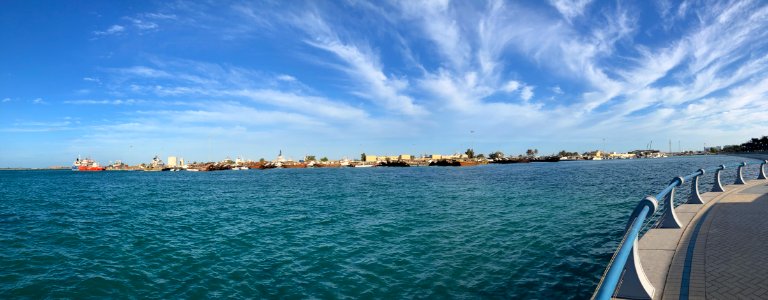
pixel 543 230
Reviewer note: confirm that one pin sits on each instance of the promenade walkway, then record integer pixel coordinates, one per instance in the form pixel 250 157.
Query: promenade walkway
pixel 720 253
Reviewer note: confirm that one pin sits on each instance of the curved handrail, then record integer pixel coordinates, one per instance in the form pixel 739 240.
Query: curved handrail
pixel 611 279
pixel 618 266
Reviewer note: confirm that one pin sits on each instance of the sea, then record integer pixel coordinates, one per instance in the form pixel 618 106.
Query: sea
pixel 521 231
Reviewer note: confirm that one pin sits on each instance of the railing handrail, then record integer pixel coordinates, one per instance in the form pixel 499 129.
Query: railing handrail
pixel 608 283
pixel 611 278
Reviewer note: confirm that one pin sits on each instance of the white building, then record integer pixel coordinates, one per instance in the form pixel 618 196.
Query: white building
pixel 173 162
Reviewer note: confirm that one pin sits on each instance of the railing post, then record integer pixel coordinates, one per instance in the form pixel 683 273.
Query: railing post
pixel 695 196
pixel 718 186
pixel 669 218
pixel 761 175
pixel 634 283
pixel 740 174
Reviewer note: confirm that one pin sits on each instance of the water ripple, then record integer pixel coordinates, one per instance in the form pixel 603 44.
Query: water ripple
pixel 512 231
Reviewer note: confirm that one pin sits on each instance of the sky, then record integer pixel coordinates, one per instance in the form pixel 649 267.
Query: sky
pixel 205 80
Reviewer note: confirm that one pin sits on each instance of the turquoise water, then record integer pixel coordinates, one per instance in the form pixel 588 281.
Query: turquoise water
pixel 543 230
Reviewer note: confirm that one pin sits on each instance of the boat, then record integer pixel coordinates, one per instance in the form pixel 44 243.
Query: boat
pixel 510 161
pixel 120 166
pixel 443 163
pixel 455 163
pixel 364 166
pixel 546 159
pixel 293 165
pixel 267 166
pixel 157 165
pixel 327 165
pixel 398 163
pixel 86 165
pixel 468 163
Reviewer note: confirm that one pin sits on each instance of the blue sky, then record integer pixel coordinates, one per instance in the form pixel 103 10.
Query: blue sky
pixel 204 81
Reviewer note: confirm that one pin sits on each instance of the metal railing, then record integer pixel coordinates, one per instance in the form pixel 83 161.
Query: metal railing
pixel 624 276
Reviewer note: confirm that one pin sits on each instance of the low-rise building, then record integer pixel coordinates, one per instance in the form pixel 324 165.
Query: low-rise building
pixel 173 162
pixel 615 155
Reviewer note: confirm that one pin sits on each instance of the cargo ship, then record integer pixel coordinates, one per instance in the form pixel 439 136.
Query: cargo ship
pixel 86 164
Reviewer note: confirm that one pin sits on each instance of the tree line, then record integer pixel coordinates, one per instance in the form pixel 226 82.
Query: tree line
pixel 753 145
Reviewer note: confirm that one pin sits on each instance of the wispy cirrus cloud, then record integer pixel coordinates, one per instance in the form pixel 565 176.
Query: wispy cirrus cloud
pixel 112 30
pixel 38 126
pixel 359 62
pixel 570 9
pixel 105 102
pixel 528 72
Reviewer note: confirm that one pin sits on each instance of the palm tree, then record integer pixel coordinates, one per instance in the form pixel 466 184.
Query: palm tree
pixel 496 155
pixel 529 152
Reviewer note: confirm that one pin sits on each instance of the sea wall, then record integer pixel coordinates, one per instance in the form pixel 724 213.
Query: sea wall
pixel 756 155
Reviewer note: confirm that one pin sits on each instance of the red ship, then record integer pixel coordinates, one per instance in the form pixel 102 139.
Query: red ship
pixel 86 164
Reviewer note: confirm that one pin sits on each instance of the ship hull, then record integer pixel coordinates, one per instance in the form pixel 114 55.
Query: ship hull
pixel 327 166
pixel 88 169
pixel 296 166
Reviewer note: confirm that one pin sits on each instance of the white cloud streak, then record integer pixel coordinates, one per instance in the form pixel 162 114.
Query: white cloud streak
pixel 570 9
pixel 112 30
pixel 450 65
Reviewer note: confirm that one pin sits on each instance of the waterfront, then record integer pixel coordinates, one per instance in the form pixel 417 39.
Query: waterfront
pixel 497 231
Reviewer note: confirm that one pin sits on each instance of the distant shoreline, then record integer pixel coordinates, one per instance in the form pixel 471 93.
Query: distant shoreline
pixel 35 169
pixel 759 156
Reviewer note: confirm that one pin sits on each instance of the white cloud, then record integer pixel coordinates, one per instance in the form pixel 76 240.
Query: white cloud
pixel 305 104
pixel 159 16
pixel 112 30
pixel 479 63
pixel 38 101
pixel 143 24
pixel 511 86
pixel 570 9
pixel 143 71
pixel 441 26
pixel 91 79
pixel 527 93
pixel 361 65
pixel 6 100
pixel 285 77
pixel 228 113
pixel 38 126
pixel 106 102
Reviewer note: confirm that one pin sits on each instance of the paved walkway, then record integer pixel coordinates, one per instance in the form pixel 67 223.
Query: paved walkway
pixel 729 259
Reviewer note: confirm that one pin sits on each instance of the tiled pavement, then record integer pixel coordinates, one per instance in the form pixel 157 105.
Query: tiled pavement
pixel 730 257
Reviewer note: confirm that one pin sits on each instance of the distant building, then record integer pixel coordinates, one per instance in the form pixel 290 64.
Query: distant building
pixel 371 158
pixel 405 157
pixel 436 156
pixel 615 155
pixel 173 162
